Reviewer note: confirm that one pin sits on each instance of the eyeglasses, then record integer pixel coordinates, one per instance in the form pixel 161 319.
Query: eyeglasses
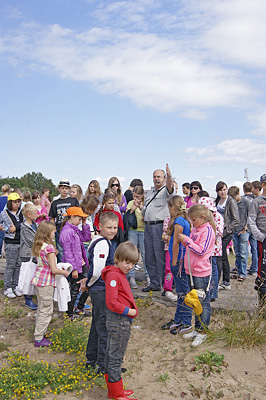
pixel 194 187
pixel 115 184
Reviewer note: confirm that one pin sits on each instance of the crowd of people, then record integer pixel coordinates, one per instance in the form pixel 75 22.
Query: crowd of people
pixel 90 245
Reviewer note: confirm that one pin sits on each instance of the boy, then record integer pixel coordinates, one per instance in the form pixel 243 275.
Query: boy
pixel 101 253
pixel 256 188
pixel 58 209
pixel 27 234
pixel 240 234
pixel 121 309
pixel 186 189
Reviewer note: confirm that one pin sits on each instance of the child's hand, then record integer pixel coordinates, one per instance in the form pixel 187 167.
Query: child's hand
pixel 132 312
pixel 83 287
pixel 84 220
pixel 181 237
pixel 1 228
pixel 66 273
pixel 75 274
pixel 12 229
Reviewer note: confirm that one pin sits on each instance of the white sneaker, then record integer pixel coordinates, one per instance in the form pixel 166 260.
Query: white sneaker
pixel 224 287
pixel 200 338
pixel 9 293
pixel 137 267
pixel 133 283
pixel 190 335
pixel 18 292
pixel 148 281
pixel 171 296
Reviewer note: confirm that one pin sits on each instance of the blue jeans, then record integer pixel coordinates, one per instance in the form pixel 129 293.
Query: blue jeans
pixel 254 253
pixel 59 248
pixel 183 313
pixel 204 318
pixel 241 250
pixel 214 280
pixel 154 254
pixel 2 235
pixel 137 238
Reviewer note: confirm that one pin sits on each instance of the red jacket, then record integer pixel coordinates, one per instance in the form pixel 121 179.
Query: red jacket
pixel 119 297
pixel 97 219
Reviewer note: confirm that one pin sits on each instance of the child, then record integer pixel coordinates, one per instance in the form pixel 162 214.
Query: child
pixel 120 199
pixel 45 198
pixel 101 253
pixel 108 204
pixel 44 279
pixel 121 310
pixel 74 253
pixel 41 210
pixel 76 191
pixel 10 222
pixel 27 234
pixel 199 247
pixel 168 276
pixel 178 224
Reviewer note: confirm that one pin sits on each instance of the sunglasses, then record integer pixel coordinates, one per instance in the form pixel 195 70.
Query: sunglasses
pixel 194 187
pixel 115 184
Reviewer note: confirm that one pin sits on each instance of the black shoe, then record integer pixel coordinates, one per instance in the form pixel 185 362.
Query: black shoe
pixel 123 370
pixel 168 325
pixel 163 293
pixel 149 289
pixel 212 299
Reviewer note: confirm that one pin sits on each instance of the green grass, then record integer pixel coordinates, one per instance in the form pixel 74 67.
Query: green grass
pixel 209 362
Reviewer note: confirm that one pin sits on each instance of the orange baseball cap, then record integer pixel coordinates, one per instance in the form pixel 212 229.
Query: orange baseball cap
pixel 75 211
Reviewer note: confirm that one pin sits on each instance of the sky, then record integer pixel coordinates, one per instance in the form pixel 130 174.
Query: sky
pixel 91 89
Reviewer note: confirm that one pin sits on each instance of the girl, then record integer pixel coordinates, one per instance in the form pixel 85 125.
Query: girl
pixel 94 189
pixel 136 236
pixel 108 205
pixel 178 225
pixel 120 199
pixel 191 199
pixel 227 206
pixel 168 276
pixel 45 199
pixel 199 247
pixel 76 191
pixel 44 279
pixel 74 253
pixel 41 210
pixel 10 222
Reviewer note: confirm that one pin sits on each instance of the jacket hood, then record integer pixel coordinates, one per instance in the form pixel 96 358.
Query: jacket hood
pixel 108 269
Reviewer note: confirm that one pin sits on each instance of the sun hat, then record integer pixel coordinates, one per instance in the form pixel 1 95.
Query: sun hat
pixel 64 182
pixel 13 196
pixel 75 211
pixel 208 202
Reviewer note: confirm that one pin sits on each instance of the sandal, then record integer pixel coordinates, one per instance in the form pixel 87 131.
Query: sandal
pixel 241 279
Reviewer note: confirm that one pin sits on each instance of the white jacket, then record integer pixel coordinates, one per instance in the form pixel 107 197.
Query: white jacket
pixel 62 291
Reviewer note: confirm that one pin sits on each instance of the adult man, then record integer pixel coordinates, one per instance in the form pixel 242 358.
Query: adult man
pixel 58 209
pixel 155 210
pixel 257 226
pixel 249 196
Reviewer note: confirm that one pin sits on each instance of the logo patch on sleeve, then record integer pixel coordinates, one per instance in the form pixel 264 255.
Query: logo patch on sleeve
pixel 101 255
pixel 113 283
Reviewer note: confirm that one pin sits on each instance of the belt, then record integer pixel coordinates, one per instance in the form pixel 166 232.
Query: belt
pixel 153 222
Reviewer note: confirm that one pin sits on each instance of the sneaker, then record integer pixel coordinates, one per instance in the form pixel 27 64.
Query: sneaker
pixel 83 312
pixel 184 328
pixel 252 273
pixel 224 287
pixel 9 293
pixel 190 335
pixel 18 292
pixel 171 296
pixel 133 283
pixel 137 267
pixel 42 343
pixel 199 339
pixel 148 281
pixel 169 324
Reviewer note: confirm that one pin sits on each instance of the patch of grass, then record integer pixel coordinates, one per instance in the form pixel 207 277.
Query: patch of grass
pixel 145 302
pixel 1 283
pixel 11 312
pixel 28 379
pixel 163 377
pixel 240 328
pixel 4 346
pixel 209 362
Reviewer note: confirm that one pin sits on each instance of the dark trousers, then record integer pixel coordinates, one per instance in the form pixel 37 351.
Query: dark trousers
pixel 222 262
pixel 118 328
pixel 74 291
pixel 154 254
pixel 260 283
pixel 97 342
pixel 59 248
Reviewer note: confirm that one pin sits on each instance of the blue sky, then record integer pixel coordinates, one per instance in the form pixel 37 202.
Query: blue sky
pixel 94 89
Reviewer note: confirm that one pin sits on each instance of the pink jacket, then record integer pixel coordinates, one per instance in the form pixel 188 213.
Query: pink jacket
pixel 200 243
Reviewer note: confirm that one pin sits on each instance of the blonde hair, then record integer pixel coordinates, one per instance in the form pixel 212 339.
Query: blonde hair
pixel 26 196
pixel 108 216
pixel 97 188
pixel 118 194
pixel 201 211
pixel 28 208
pixel 79 190
pixel 179 206
pixel 6 188
pixel 43 235
pixel 126 251
pixel 139 191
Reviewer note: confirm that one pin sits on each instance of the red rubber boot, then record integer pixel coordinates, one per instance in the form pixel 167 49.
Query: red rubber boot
pixel 117 391
pixel 126 392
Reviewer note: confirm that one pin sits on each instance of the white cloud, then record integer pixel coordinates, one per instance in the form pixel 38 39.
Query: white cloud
pixel 258 120
pixel 243 151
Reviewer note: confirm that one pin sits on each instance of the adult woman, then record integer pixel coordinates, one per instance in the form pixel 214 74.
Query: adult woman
pixel 226 206
pixel 120 199
pixel 192 199
pixel 94 189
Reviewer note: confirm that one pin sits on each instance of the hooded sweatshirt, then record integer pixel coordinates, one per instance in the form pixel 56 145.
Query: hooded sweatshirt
pixel 119 297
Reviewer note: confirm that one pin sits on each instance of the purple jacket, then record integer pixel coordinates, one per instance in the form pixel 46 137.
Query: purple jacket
pixel 72 240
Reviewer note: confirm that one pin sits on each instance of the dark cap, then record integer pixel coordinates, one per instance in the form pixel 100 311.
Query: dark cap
pixel 263 178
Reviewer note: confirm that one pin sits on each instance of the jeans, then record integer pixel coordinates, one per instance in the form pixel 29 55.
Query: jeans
pixel 183 313
pixel 154 254
pixel 254 253
pixel 137 238
pixel 2 235
pixel 97 342
pixel 74 291
pixel 203 319
pixel 59 248
pixel 13 263
pixel 241 250
pixel 222 262
pixel 214 280
pixel 118 328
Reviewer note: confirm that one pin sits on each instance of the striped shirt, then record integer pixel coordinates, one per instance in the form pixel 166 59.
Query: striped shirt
pixel 43 275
